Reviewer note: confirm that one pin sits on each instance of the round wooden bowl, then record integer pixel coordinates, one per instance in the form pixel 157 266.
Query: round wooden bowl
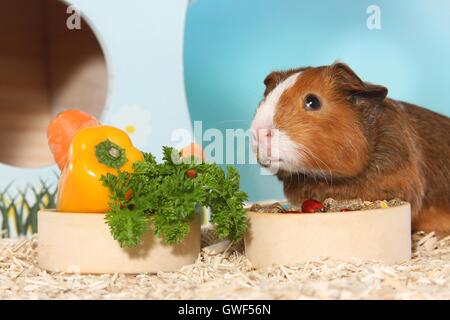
pixel 381 234
pixel 82 243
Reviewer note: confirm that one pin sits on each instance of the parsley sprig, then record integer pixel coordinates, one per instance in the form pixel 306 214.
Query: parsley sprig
pixel 163 197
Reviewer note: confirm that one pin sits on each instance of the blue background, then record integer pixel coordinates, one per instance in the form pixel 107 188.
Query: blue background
pixel 231 45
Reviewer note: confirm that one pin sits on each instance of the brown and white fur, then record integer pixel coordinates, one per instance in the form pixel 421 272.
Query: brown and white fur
pixel 360 144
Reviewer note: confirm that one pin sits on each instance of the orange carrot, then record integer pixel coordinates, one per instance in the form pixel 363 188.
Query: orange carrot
pixel 63 128
pixel 193 149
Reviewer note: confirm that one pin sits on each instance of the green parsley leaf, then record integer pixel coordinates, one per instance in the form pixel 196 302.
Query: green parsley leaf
pixel 164 197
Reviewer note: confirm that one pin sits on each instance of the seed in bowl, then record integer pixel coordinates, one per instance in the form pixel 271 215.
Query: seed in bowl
pixel 328 205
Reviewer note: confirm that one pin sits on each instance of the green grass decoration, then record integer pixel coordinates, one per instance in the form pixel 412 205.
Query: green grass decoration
pixel 22 209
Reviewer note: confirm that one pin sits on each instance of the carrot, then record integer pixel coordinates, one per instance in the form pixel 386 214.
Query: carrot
pixel 63 128
pixel 194 150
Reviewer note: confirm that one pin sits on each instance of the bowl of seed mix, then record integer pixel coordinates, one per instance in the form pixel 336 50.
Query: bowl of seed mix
pixel 281 233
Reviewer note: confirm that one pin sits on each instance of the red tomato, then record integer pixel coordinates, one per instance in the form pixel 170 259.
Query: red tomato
pixel 191 173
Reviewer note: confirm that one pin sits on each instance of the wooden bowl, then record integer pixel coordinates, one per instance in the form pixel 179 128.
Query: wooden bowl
pixel 82 243
pixel 381 234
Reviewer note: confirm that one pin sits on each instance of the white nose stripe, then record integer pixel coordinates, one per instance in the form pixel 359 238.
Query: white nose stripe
pixel 266 111
pixel 274 96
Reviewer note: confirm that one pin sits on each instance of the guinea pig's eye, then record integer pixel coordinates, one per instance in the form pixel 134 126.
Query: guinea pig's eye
pixel 312 102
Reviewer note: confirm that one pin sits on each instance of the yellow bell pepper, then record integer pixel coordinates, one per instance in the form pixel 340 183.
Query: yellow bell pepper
pixel 94 151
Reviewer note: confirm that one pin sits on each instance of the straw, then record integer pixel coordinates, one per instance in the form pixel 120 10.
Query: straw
pixel 222 272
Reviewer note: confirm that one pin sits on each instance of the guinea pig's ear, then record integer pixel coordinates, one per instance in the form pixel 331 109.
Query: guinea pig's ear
pixel 357 90
pixel 271 81
pixel 372 92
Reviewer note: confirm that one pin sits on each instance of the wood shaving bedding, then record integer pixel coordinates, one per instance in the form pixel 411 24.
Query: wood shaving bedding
pixel 222 272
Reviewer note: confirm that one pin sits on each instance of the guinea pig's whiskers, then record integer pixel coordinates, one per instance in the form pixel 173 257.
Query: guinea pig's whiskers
pixel 303 154
pixel 316 159
pixel 233 121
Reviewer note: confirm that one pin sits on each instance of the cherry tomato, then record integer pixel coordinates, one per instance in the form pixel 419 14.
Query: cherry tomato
pixel 191 173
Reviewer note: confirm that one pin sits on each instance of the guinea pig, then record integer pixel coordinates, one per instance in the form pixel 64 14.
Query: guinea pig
pixel 326 133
